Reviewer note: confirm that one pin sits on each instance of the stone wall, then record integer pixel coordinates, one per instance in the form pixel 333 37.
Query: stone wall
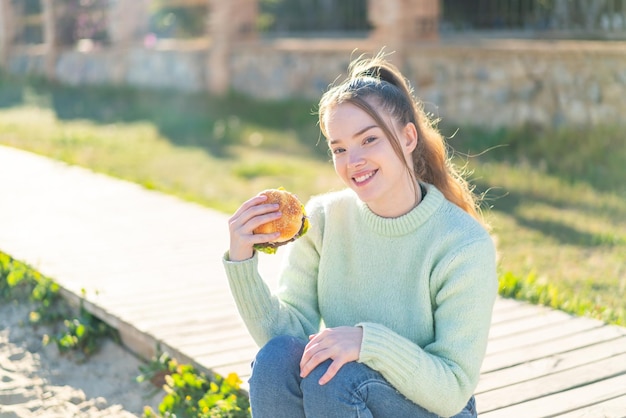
pixel 495 83
pixel 505 83
pixel 490 83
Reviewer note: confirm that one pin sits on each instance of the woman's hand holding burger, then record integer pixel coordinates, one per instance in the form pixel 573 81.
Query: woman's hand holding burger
pixel 252 214
pixel 272 218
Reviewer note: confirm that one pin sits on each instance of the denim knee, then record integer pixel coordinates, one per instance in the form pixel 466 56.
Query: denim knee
pixel 275 381
pixel 280 356
pixel 281 351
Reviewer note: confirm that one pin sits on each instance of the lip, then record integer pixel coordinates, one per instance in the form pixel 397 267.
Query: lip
pixel 364 176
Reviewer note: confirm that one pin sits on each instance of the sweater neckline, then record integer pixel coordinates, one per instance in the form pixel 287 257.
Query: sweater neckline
pixel 406 223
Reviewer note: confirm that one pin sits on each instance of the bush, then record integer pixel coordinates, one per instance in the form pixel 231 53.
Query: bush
pixel 191 394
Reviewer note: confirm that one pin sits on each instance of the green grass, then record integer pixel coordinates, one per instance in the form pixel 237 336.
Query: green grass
pixel 76 331
pixel 558 208
pixel 215 152
pixel 556 199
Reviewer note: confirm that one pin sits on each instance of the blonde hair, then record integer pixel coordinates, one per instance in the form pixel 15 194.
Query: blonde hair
pixel 375 81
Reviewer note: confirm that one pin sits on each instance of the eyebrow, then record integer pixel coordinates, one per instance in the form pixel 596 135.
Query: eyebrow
pixel 362 131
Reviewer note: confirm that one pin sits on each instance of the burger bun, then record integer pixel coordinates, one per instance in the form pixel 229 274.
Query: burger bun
pixel 291 221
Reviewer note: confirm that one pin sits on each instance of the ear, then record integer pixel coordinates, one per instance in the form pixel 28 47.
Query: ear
pixel 409 134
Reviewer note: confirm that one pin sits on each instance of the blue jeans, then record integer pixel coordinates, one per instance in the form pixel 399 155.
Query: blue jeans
pixel 278 391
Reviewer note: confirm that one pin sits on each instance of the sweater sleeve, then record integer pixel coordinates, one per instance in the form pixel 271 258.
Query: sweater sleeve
pixel 442 375
pixel 293 309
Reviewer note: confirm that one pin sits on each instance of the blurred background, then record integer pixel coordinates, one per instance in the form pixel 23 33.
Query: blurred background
pixel 213 100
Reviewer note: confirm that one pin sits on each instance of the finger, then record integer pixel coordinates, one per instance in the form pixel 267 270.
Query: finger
pixel 317 342
pixel 253 201
pixel 254 217
pixel 254 207
pixel 242 226
pixel 251 239
pixel 258 219
pixel 263 238
pixel 312 358
pixel 331 371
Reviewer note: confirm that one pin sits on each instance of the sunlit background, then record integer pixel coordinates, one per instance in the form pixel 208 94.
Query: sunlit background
pixel 174 94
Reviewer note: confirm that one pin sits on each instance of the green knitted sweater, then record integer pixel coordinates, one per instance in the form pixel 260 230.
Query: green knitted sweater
pixel 422 286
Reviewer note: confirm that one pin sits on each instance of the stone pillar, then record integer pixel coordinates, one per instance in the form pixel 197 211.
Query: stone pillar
pixel 50 37
pixel 218 79
pixel 401 21
pixel 384 15
pixel 230 22
pixel 7 30
pixel 221 33
pixel 387 27
pixel 244 17
pixel 127 27
pixel 127 21
pixel 425 19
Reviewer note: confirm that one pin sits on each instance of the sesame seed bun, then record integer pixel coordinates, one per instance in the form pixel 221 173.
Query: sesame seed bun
pixel 291 225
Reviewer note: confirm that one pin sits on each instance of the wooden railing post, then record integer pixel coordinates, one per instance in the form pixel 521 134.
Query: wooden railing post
pixel 7 30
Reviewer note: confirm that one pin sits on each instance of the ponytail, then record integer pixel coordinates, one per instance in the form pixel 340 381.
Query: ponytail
pixel 376 81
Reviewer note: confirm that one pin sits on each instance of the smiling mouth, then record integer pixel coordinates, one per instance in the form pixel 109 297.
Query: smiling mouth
pixel 363 178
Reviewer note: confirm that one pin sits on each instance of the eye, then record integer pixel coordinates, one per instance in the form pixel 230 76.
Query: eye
pixel 369 139
pixel 337 150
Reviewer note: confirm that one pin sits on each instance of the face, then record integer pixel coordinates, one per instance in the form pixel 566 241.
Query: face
pixel 366 161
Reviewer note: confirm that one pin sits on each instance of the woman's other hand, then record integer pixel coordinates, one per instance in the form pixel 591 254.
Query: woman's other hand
pixel 341 344
pixel 250 215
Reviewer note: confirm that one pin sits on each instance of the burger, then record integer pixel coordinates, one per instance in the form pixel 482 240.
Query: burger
pixel 292 224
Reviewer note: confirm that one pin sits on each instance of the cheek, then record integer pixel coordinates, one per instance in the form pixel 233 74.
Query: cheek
pixel 339 167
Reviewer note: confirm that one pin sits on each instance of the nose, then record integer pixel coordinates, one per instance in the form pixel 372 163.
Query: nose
pixel 355 159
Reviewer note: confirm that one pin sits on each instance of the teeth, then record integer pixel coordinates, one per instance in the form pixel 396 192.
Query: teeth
pixel 363 177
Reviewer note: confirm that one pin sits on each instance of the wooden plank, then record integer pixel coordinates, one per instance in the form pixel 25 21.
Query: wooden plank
pixel 615 408
pixel 215 345
pixel 529 353
pixel 528 323
pixel 543 334
pixel 503 304
pixel 170 310
pixel 552 383
pixel 209 331
pixel 551 364
pixel 514 313
pixel 211 326
pixel 226 334
pixel 209 296
pixel 226 357
pixel 563 402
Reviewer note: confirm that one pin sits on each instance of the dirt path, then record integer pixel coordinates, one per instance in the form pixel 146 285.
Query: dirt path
pixel 37 381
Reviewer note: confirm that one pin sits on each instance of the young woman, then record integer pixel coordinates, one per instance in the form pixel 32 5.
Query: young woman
pixel 384 306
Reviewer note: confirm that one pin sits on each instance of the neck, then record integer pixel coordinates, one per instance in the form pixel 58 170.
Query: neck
pixel 402 206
